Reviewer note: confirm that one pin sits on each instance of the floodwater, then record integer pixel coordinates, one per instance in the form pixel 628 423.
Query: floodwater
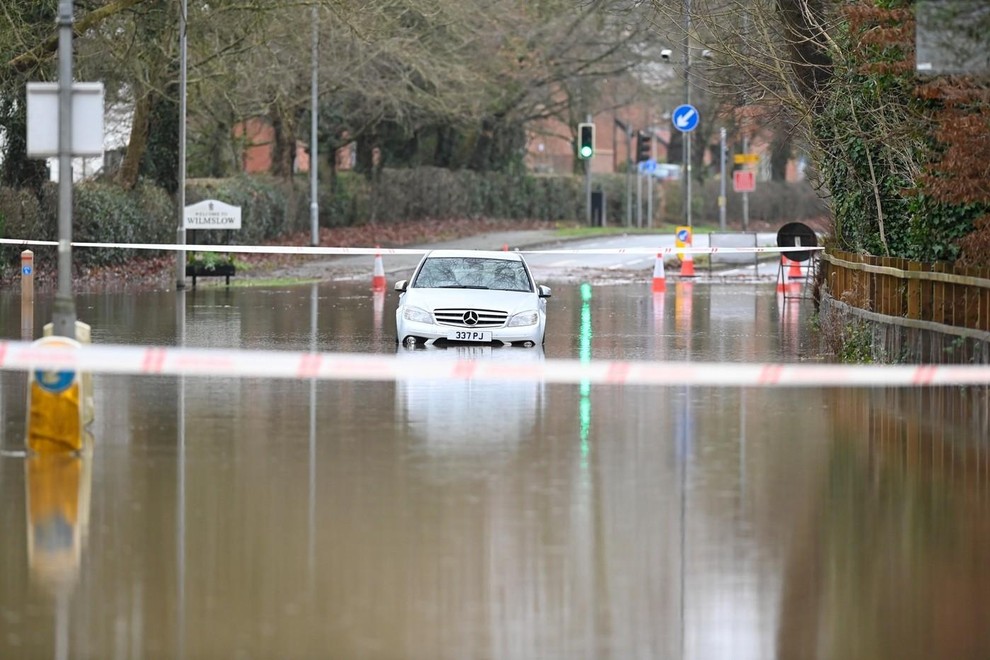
pixel 222 518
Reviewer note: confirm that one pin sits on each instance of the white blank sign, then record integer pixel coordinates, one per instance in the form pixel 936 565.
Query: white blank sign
pixel 42 115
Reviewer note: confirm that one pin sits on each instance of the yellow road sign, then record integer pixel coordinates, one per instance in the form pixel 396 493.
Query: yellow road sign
pixel 746 159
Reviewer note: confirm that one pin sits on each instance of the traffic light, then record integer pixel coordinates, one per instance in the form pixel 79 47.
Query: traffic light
pixel 586 140
pixel 644 147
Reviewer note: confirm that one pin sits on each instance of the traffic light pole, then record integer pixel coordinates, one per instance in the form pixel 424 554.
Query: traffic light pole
pixel 587 190
pixel 587 183
pixel 639 200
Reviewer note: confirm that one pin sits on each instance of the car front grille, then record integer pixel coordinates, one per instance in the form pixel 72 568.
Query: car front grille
pixel 470 318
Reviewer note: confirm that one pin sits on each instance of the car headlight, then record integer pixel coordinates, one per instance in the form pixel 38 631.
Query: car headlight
pixel 417 315
pixel 524 318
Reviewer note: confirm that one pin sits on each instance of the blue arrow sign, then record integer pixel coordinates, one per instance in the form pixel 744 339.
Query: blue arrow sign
pixel 685 118
pixel 647 166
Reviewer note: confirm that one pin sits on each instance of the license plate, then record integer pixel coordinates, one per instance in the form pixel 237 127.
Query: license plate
pixel 469 335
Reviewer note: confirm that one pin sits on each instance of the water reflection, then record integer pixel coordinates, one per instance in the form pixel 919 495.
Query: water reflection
pixel 448 519
pixel 469 416
pixel 58 497
pixel 902 523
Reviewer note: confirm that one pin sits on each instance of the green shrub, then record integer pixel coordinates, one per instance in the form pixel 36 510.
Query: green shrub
pixel 105 213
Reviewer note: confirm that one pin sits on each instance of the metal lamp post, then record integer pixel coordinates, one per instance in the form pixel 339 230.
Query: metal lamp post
pixel 64 318
pixel 314 202
pixel 180 258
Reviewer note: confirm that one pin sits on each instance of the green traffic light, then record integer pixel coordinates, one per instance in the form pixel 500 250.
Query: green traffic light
pixel 586 151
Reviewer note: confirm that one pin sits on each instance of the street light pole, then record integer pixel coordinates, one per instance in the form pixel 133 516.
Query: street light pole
pixel 314 202
pixel 64 317
pixel 627 132
pixel 180 256
pixel 721 189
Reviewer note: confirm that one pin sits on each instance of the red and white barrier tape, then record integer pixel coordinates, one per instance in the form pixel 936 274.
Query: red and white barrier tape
pixel 304 250
pixel 151 360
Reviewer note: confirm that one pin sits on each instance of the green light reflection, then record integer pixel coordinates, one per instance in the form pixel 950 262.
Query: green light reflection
pixel 584 354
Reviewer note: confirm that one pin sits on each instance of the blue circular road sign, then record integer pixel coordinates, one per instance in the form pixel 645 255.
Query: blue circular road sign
pixel 682 235
pixel 26 270
pixel 55 382
pixel 685 118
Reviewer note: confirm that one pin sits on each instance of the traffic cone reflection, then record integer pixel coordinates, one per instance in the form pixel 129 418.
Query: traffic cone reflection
pixel 659 278
pixel 378 309
pixel 378 276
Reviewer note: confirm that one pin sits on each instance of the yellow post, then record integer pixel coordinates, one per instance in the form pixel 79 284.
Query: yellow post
pixel 27 295
pixel 55 411
pixel 84 336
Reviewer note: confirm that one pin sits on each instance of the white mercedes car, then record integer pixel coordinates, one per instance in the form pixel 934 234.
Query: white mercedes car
pixel 471 296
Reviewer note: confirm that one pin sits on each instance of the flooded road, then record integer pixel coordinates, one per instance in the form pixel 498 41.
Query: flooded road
pixel 224 518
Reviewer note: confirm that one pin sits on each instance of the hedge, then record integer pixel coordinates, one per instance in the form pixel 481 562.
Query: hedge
pixel 271 207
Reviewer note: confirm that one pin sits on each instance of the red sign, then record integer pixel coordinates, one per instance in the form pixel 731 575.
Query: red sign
pixel 744 181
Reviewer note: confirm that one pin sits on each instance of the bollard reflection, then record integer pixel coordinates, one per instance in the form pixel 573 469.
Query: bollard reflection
pixel 58 495
pixel 683 299
pixel 378 310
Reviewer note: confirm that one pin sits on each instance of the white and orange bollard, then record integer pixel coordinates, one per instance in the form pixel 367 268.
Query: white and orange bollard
pixel 378 274
pixel 27 295
pixel 659 278
pixel 684 237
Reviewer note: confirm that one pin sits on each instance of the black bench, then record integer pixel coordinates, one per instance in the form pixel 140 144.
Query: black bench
pixel 210 270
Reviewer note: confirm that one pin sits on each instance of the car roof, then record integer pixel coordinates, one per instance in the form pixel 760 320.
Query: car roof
pixel 505 255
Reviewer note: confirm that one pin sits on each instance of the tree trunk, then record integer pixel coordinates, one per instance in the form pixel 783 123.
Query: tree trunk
pixel 127 177
pixel 780 154
pixel 283 145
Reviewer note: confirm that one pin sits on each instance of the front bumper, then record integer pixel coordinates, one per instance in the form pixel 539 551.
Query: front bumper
pixel 430 333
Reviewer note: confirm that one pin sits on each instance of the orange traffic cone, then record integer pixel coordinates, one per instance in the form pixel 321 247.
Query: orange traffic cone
pixel 505 247
pixel 687 266
pixel 795 269
pixel 782 282
pixel 378 275
pixel 659 279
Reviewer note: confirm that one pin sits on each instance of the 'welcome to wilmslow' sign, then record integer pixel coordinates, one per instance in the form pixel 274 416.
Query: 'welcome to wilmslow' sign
pixel 212 214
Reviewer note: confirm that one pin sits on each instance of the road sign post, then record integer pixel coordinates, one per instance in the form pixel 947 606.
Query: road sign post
pixel 685 119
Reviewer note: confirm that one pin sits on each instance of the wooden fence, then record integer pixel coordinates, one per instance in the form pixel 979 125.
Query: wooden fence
pixel 926 294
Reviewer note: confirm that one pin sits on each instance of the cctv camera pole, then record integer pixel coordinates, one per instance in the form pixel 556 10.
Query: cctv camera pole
pixel 687 100
pixel 64 317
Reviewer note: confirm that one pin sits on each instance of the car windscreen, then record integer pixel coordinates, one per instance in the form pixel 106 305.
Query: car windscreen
pixel 473 273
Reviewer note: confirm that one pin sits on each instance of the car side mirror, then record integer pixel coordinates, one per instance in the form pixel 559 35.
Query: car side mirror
pixel 544 291
pixel 400 286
